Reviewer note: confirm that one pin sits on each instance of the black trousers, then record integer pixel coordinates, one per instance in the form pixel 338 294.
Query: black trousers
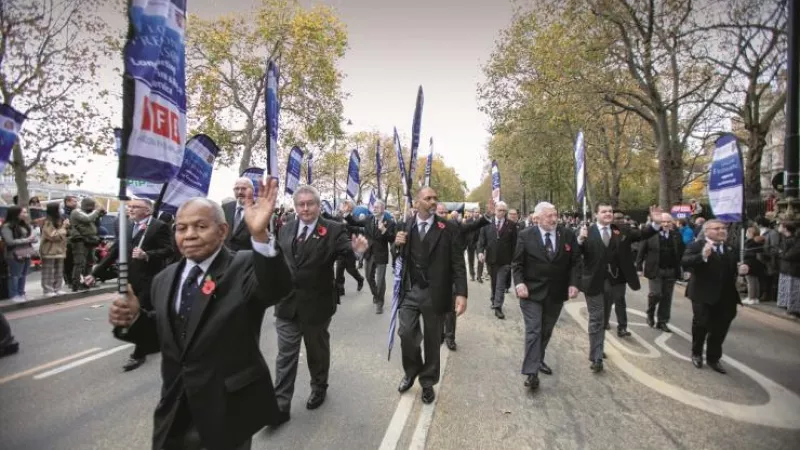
pixel 540 319
pixel 417 303
pixel 471 260
pixel 450 325
pixel 710 325
pixel 82 260
pixel 347 263
pixel 5 331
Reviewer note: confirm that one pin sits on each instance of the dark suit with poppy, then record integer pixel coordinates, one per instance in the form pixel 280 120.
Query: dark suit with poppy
pixel 497 245
pixel 215 380
pixel 548 276
pixel 606 271
pixel 238 234
pixel 306 312
pixel 434 273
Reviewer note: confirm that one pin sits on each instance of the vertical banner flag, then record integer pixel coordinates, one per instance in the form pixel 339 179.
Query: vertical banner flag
pixel 580 170
pixel 10 123
pixel 272 110
pixel 308 169
pixel 118 140
pixel 415 129
pixel 353 179
pixel 398 264
pixel 495 181
pixel 326 206
pixel 293 169
pixel 155 60
pixel 372 200
pixel 429 166
pixel 726 180
pixel 402 166
pixel 256 174
pixel 378 165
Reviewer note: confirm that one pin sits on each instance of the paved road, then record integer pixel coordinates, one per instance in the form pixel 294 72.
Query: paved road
pixel 646 398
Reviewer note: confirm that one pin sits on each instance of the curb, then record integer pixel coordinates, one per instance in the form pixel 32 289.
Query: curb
pixel 44 301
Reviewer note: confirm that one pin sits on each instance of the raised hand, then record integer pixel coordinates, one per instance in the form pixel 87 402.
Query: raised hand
pixel 359 243
pixel 490 206
pixel 258 213
pixel 583 234
pixel 655 214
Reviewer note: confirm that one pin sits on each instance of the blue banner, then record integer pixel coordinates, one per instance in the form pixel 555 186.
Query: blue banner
pixel 353 180
pixel 378 165
pixel 415 131
pixel 308 169
pixel 256 174
pixel 10 123
pixel 495 181
pixel 580 169
pixel 402 166
pixel 726 180
pixel 155 59
pixel 372 200
pixel 293 165
pixel 272 110
pixel 326 206
pixel 429 166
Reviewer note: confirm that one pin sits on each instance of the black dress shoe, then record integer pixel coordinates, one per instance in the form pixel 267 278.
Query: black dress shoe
pixel 651 321
pixel 379 309
pixel 281 418
pixel 428 395
pixel 316 399
pixel 360 285
pixel 623 332
pixel 498 312
pixel 532 382
pixel 697 361
pixel 9 348
pixel 663 327
pixel 405 384
pixel 717 367
pixel 480 280
pixel 340 291
pixel 451 344
pixel 472 278
pixel 133 363
pixel 545 369
pixel 608 326
pixel 597 366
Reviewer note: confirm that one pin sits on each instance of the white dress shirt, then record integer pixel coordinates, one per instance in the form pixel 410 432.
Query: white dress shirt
pixel 311 227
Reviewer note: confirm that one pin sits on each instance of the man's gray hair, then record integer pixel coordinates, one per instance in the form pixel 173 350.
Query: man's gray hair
pixel 541 206
pixel 245 180
pixel 379 202
pixel 349 202
pixel 306 189
pixel 217 213
pixel 710 222
pixel 149 203
pixel 501 203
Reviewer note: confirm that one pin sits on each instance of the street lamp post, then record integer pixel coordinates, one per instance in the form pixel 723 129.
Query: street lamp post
pixel 789 206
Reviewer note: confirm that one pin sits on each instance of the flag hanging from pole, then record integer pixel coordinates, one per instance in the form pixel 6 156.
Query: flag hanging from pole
pixel 293 165
pixel 429 166
pixel 495 181
pixel 272 110
pixel 415 129
pixel 402 166
pixel 372 200
pixel 353 180
pixel 10 124
pixel 726 180
pixel 308 169
pixel 155 59
pixel 378 166
pixel 326 206
pixel 580 169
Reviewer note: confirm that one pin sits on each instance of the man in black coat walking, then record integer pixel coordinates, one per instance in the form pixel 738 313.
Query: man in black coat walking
pixel 238 235
pixel 496 248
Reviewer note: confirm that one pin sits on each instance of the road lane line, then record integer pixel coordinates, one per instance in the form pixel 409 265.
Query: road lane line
pixel 44 309
pixel 420 437
pixel 81 362
pixel 398 422
pixel 47 365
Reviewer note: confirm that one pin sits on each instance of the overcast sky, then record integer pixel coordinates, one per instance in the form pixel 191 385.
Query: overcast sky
pixel 395 46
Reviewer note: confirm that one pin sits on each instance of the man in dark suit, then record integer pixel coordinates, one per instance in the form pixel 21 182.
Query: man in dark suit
pixel 311 245
pixel 432 280
pixel 546 270
pixel 380 234
pixel 712 289
pixel 496 248
pixel 149 248
pixel 471 241
pixel 347 262
pixel 607 268
pixel 238 235
pixel 208 309
pixel 661 257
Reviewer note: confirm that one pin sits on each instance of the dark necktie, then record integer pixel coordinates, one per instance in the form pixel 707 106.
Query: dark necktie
pixel 422 226
pixel 548 246
pixel 718 248
pixel 238 219
pixel 188 293
pixel 298 243
pixel 606 236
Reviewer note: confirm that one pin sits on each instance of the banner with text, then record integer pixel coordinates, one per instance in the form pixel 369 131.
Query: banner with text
pixel 378 165
pixel 10 123
pixel 495 182
pixel 353 180
pixel 272 110
pixel 726 180
pixel 256 174
pixel 293 165
pixel 580 171
pixel 155 59
pixel 429 166
pixel 402 166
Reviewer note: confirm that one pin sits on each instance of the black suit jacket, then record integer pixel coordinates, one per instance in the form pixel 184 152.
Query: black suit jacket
pixel 220 370
pixel 596 255
pixel 713 281
pixel 238 237
pixel 157 244
pixel 498 245
pixel 650 253
pixel 546 279
pixel 467 230
pixel 314 296
pixel 447 271
pixel 378 242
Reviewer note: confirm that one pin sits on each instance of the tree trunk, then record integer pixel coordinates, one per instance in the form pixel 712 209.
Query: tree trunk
pixel 664 172
pixel 752 175
pixel 20 175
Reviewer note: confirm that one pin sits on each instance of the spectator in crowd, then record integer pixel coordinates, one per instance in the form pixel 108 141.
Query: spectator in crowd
pixel 84 238
pixel 789 270
pixel 53 250
pixel 19 239
pixel 687 233
pixel 769 257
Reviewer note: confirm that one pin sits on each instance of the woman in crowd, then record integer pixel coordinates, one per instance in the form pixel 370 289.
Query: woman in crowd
pixel 53 250
pixel 19 240
pixel 753 247
pixel 789 269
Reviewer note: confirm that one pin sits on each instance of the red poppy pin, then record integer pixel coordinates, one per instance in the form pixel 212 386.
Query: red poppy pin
pixel 440 225
pixel 616 232
pixel 208 286
pixel 143 226
pixel 567 247
pixel 322 231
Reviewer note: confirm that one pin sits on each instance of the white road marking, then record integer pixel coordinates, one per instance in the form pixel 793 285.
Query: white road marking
pixel 782 410
pixel 81 362
pixel 47 365
pixel 420 435
pixel 398 422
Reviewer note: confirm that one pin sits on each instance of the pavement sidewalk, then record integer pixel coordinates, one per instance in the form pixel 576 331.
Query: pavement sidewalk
pixel 36 297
